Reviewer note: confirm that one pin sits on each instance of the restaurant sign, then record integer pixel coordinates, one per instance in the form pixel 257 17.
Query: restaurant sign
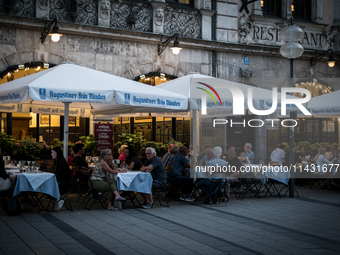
pixel 103 135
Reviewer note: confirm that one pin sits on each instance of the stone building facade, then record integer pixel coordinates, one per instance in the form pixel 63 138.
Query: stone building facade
pixel 218 38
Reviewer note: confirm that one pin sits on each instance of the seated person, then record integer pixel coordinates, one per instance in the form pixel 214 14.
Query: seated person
pixel 70 156
pixel 169 155
pixel 78 160
pixel 142 156
pixel 209 155
pixel 100 180
pixel 333 156
pixel 6 181
pixel 236 164
pixel 156 167
pixel 202 154
pixel 278 155
pixel 131 159
pixel 325 167
pixel 178 164
pixel 215 179
pixel 62 173
pixel 61 169
pixel 248 155
pixel 304 156
pixel 121 151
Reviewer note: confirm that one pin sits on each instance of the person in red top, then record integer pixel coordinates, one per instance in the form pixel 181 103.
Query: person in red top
pixel 70 156
pixel 121 153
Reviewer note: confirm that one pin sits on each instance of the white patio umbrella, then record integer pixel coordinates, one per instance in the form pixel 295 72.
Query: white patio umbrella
pixel 219 99
pixel 325 105
pixel 187 85
pixel 69 86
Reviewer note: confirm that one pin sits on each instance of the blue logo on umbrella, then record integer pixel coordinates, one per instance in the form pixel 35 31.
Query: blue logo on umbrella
pixel 42 94
pixel 127 98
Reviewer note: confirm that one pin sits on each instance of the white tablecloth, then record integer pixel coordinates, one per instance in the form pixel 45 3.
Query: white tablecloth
pixel 41 183
pixel 135 181
pixel 276 173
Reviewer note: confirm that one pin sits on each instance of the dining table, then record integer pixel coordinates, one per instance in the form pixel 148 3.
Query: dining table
pixel 32 187
pixel 135 182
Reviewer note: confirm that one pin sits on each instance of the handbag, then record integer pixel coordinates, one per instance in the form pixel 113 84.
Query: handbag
pixel 11 206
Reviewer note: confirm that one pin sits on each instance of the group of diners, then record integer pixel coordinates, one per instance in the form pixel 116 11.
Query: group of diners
pixel 324 164
pixel 176 159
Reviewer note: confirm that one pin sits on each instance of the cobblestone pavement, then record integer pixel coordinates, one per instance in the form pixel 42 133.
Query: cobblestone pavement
pixel 306 225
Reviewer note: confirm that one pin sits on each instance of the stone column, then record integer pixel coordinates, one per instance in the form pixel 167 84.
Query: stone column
pixel 42 9
pixel 227 21
pixel 286 9
pixel 317 15
pixel 104 7
pixel 257 8
pixel 206 24
pixel 158 16
pixel 261 141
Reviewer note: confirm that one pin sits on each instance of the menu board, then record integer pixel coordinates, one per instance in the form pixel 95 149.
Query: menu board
pixel 103 135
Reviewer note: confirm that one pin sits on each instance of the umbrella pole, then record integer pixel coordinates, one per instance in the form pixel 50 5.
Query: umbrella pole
pixel 66 119
pixel 195 136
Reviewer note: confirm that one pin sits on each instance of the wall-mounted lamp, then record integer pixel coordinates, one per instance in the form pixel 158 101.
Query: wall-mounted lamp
pixel 331 61
pixel 175 49
pixel 55 36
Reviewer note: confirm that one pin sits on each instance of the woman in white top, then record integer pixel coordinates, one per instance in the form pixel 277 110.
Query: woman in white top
pixel 100 180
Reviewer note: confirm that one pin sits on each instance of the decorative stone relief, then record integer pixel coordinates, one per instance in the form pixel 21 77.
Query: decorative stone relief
pixel 43 4
pixel 246 72
pixel 104 11
pixel 244 29
pixel 41 54
pixel 42 8
pixel 207 5
pixel 158 19
pixel 330 36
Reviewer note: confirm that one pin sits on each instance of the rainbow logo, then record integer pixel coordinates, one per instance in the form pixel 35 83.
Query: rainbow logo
pixel 209 93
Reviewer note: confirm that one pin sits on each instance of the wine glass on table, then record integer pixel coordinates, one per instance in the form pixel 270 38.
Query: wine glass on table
pixel 88 160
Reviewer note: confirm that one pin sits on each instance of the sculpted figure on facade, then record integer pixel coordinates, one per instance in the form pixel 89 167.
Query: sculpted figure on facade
pixel 244 29
pixel 329 35
pixel 246 72
pixel 105 9
pixel 158 19
pixel 43 4
pixel 207 5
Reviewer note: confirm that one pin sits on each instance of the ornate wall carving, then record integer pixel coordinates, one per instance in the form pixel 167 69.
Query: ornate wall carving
pixel 142 13
pixel 21 8
pixel 185 22
pixel 86 11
